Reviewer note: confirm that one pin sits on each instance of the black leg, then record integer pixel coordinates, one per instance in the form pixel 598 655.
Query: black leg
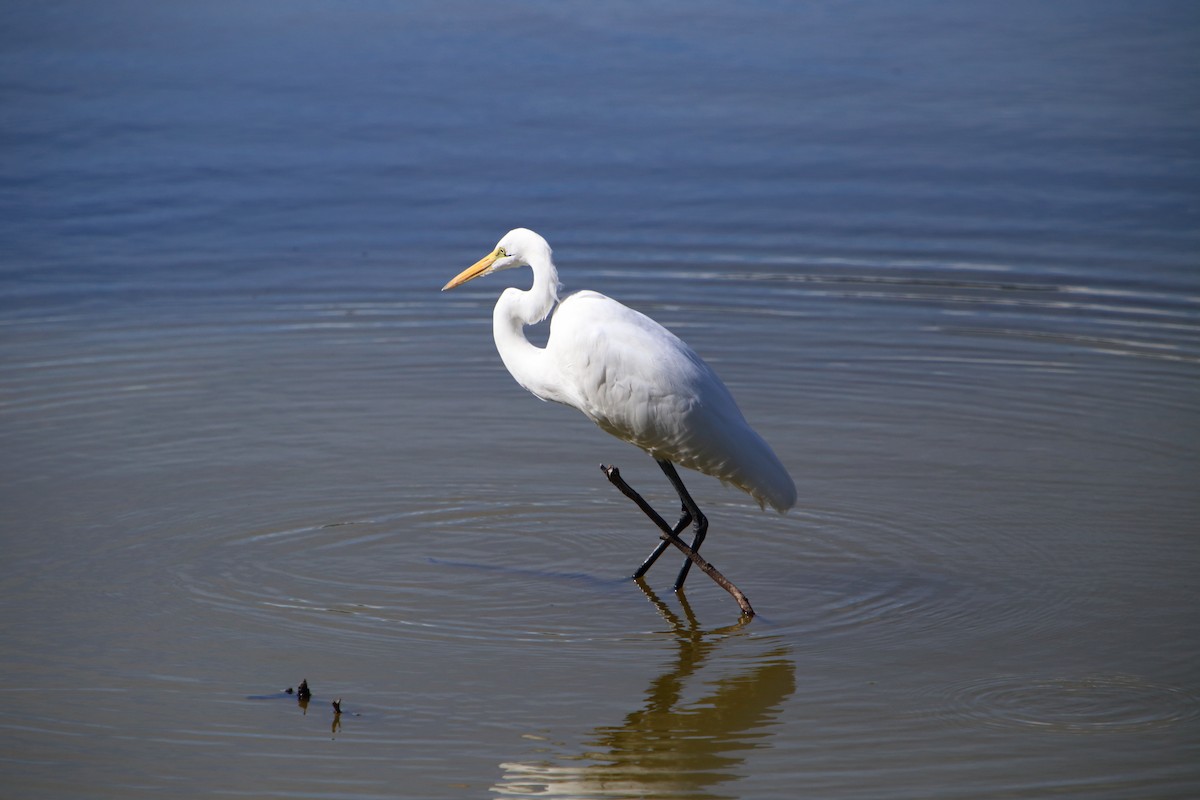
pixel 690 509
pixel 685 519
pixel 668 534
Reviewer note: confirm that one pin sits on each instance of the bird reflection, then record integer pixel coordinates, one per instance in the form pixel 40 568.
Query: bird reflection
pixel 679 743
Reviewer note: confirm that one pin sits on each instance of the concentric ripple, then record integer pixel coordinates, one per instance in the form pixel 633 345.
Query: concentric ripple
pixel 1088 704
pixel 488 569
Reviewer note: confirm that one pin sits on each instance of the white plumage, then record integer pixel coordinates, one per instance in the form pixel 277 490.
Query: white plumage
pixel 641 383
pixel 628 374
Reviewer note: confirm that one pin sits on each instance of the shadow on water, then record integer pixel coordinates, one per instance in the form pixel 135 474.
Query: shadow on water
pixel 528 572
pixel 689 734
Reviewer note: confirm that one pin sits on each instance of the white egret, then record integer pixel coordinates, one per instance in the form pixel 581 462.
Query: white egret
pixel 637 381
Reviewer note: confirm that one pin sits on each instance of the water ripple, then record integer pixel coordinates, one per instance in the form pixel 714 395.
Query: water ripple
pixel 399 575
pixel 1081 705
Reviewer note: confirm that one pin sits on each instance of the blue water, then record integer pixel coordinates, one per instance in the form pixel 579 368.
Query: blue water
pixel 945 255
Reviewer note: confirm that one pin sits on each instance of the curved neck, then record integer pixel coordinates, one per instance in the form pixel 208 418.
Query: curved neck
pixel 526 362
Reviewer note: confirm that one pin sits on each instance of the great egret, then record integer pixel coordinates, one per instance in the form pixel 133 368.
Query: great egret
pixel 637 381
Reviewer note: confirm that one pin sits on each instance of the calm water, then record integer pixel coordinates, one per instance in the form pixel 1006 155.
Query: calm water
pixel 945 255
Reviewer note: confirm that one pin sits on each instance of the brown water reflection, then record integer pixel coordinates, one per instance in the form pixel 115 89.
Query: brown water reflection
pixel 690 734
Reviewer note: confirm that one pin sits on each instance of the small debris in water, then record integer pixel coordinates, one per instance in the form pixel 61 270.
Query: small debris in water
pixel 303 694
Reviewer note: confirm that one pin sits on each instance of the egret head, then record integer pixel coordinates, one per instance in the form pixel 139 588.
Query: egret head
pixel 518 248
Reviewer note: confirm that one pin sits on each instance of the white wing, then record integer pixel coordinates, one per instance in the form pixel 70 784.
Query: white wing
pixel 641 383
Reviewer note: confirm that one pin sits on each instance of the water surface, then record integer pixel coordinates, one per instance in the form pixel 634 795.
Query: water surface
pixel 944 257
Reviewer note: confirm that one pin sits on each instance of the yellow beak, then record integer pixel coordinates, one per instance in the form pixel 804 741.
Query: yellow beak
pixel 472 272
